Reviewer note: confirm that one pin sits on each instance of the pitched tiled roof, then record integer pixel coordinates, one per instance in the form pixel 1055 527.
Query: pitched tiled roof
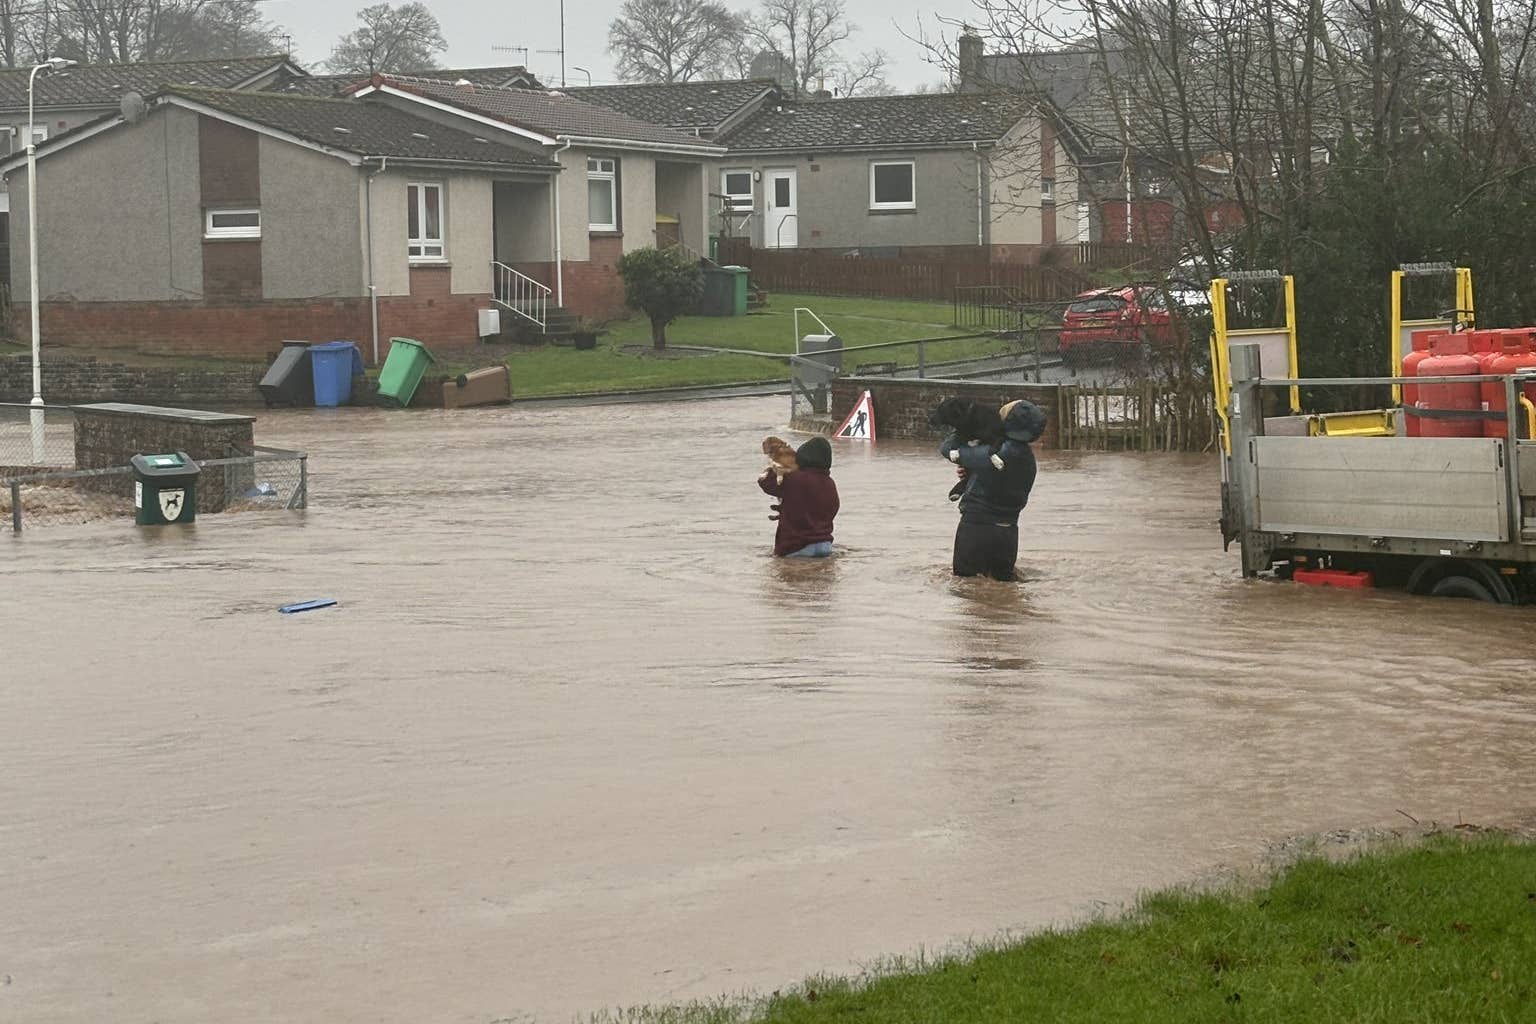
pixel 688 105
pixel 552 114
pixel 369 129
pixel 880 122
pixel 334 85
pixel 103 85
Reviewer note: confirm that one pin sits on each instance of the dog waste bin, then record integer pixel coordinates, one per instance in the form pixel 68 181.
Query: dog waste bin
pixel 490 386
pixel 164 489
pixel 335 364
pixel 404 367
pixel 736 285
pixel 288 380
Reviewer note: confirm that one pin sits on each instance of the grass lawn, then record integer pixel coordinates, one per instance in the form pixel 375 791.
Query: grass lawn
pixel 550 370
pixel 1442 932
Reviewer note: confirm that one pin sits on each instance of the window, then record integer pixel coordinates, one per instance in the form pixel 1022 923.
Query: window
pixel 892 187
pixel 602 194
pixel 1047 190
pixel 1098 304
pixel 232 224
pixel 424 221
pixel 737 189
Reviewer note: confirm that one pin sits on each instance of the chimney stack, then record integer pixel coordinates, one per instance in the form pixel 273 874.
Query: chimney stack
pixel 972 67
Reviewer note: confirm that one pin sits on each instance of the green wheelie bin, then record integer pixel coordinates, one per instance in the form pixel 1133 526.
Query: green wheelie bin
pixel 164 489
pixel 404 367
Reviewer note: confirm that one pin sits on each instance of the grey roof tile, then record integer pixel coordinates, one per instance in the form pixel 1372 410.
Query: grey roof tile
pixel 548 113
pixel 880 122
pixel 103 85
pixel 705 105
pixel 369 129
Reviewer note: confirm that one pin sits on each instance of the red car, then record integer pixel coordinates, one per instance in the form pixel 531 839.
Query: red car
pixel 1115 320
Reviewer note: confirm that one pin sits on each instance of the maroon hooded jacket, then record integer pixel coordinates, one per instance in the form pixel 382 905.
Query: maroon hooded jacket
pixel 807 498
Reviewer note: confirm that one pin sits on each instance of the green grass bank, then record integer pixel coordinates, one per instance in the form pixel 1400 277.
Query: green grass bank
pixel 1443 932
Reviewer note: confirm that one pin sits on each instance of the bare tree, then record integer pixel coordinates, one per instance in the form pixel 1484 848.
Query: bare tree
pixel 673 40
pixel 403 38
pixel 810 34
pixel 114 31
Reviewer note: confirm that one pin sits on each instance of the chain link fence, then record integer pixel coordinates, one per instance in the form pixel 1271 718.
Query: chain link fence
pixel 50 492
pixel 48 448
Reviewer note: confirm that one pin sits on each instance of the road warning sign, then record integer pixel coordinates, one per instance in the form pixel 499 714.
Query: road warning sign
pixel 860 424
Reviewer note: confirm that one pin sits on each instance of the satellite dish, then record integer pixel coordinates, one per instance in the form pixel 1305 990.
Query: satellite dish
pixel 132 107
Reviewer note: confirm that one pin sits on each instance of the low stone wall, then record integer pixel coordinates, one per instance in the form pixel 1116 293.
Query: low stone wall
pixel 73 381
pixel 902 405
pixel 111 434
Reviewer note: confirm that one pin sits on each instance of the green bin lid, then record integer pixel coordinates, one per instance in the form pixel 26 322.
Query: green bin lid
pixel 164 461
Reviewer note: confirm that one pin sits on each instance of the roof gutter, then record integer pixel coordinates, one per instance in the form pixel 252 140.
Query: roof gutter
pixel 867 148
pixel 649 147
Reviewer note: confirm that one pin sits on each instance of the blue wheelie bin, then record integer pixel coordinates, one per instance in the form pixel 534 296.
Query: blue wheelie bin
pixel 336 363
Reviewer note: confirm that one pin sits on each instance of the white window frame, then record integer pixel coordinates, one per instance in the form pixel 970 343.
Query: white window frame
pixel 210 230
pixel 416 249
pixel 909 205
pixel 595 172
pixel 1047 190
pixel 741 202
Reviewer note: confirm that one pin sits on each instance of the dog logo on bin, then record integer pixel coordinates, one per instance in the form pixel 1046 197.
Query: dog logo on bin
pixel 170 504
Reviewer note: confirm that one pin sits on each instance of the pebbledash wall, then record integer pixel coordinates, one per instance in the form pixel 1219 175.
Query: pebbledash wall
pixel 126 264
pixel 902 405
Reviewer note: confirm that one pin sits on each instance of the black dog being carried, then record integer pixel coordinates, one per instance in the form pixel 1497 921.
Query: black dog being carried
pixel 996 484
pixel 976 424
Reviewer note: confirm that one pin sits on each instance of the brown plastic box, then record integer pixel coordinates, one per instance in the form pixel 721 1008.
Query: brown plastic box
pixel 490 386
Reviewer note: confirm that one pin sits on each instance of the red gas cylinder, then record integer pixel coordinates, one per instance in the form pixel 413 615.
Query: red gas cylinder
pixel 1420 340
pixel 1449 410
pixel 1515 358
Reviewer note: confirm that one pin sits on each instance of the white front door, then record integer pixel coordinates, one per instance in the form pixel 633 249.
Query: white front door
pixel 781 228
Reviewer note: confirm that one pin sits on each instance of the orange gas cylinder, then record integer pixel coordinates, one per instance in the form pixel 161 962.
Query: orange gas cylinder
pixel 1452 409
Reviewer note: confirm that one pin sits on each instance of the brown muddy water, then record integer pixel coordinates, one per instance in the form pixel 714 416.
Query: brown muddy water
pixel 571 739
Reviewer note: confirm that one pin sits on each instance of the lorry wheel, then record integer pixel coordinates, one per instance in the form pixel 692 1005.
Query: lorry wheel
pixel 1464 587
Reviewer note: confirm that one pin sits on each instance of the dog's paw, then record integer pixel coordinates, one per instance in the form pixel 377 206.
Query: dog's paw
pixel 997 461
pixel 954 455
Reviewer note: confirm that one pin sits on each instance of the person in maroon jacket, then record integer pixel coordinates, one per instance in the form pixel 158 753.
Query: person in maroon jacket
pixel 807 502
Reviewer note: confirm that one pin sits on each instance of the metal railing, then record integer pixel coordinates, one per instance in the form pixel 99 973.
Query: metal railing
pixel 521 294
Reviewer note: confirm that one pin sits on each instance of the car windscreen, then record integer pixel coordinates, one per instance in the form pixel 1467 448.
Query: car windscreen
pixel 1097 304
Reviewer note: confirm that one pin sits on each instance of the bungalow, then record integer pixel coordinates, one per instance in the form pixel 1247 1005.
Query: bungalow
pixel 645 184
pixel 916 174
pixel 216 221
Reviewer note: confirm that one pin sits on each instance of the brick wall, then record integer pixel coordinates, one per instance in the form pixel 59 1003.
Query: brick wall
pixel 593 288
pixel 902 406
pixel 255 330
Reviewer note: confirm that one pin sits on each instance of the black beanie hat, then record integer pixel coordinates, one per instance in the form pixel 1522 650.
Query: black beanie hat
pixel 814 454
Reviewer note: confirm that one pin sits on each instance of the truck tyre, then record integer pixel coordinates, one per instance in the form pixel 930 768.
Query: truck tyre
pixel 1464 587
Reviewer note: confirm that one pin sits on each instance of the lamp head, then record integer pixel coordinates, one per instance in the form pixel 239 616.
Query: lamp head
pixel 58 64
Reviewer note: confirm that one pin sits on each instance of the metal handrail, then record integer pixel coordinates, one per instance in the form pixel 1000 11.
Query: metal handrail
pixel 521 294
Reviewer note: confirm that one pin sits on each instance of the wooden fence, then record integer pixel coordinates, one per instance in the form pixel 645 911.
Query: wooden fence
pixel 815 272
pixel 1121 255
pixel 1143 416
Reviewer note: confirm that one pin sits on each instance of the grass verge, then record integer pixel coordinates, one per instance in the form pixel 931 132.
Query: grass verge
pixel 1441 932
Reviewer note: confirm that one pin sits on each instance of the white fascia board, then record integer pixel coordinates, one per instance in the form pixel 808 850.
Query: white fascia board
pixel 457 111
pixel 589 142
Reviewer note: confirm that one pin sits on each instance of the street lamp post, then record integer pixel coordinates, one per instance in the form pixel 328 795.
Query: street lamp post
pixel 585 72
pixel 52 64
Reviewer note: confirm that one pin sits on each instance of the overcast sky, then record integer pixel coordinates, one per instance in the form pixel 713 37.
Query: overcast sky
pixel 473 27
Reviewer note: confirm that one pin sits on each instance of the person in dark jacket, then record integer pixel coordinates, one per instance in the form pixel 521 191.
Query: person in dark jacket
pixel 807 502
pixel 987 539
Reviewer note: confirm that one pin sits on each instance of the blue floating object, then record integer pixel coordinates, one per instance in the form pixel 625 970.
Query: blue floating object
pixel 307 606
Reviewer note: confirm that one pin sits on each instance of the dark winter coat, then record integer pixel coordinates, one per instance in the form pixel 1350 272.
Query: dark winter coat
pixel 807 498
pixel 993 495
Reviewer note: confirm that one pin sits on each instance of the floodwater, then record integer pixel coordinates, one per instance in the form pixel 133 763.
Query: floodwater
pixel 571 740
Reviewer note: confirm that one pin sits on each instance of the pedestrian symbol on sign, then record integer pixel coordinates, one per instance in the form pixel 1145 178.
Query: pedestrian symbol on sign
pixel 860 424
